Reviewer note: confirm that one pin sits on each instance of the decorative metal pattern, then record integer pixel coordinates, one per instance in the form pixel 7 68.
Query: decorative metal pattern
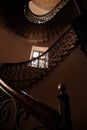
pixel 14 117
pixel 49 117
pixel 7 114
pixel 22 118
pixel 44 18
pixel 25 104
pixel 22 75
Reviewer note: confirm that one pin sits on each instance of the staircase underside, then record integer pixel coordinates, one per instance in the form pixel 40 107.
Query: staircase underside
pixel 57 34
pixel 22 75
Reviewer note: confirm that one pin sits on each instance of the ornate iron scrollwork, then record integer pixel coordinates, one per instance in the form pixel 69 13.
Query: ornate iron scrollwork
pixel 7 114
pixel 14 117
pixel 43 18
pixel 22 76
pixel 22 118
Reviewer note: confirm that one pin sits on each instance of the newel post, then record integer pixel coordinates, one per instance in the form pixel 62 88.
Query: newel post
pixel 64 108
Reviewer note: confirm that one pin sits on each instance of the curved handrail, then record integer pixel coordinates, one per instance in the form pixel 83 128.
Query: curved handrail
pixel 48 116
pixel 23 74
pixel 43 18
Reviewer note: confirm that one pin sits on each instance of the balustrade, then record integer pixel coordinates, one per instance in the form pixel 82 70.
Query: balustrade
pixel 15 111
pixel 24 75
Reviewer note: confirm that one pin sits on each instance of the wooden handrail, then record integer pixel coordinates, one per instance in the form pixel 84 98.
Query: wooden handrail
pixel 46 115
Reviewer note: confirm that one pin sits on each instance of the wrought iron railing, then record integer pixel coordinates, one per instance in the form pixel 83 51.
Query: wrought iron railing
pixel 43 18
pixel 20 106
pixel 23 75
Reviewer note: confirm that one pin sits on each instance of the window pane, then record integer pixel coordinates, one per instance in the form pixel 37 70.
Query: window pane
pixel 42 63
pixel 34 63
pixel 35 54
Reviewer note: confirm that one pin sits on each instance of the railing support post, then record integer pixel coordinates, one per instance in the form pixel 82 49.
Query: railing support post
pixel 64 108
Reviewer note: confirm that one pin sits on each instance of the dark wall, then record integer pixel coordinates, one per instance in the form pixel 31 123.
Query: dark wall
pixel 12 8
pixel 83 5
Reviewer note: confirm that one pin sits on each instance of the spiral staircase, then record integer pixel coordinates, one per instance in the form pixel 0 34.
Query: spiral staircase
pixel 57 34
pixel 53 30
